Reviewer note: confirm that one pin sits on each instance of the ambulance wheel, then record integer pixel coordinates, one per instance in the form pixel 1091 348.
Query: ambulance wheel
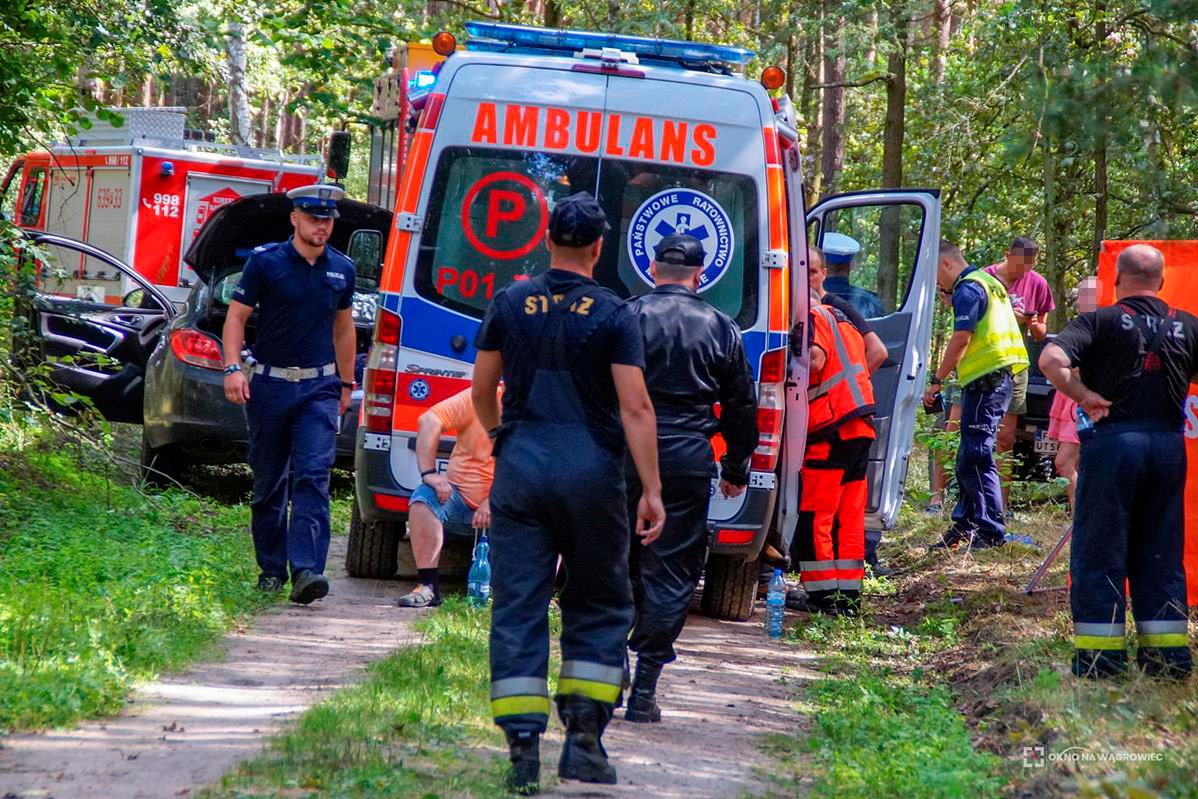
pixel 161 467
pixel 372 547
pixel 729 588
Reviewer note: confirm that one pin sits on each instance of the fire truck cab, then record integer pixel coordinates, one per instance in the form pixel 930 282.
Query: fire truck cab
pixel 670 137
pixel 141 192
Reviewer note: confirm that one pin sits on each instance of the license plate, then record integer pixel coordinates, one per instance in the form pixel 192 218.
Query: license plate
pixel 1045 445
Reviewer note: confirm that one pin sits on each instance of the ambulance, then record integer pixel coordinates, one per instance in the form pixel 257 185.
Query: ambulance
pixel 671 137
pixel 140 192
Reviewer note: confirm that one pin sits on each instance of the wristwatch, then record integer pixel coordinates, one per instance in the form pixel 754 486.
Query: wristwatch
pixel 427 472
pixel 232 368
pixel 935 381
pixel 350 386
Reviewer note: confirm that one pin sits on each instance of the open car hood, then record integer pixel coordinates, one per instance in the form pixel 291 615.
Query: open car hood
pixel 234 230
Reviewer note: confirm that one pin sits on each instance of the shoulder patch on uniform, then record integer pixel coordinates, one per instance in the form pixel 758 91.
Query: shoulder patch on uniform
pixel 261 248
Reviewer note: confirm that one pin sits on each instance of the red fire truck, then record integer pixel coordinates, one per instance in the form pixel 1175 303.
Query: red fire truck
pixel 140 192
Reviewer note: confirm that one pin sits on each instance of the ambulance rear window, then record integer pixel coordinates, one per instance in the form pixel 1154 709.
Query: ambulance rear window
pixel 489 209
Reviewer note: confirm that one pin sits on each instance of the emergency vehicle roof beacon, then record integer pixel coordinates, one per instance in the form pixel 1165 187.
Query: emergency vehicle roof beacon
pixel 839 248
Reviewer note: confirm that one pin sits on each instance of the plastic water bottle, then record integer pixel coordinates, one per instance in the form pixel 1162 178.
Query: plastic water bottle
pixel 1084 423
pixel 478 581
pixel 775 604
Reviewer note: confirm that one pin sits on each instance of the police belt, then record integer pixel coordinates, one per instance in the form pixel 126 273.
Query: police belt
pixel 294 374
pixel 988 381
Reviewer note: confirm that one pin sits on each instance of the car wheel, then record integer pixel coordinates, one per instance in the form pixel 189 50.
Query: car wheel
pixel 161 467
pixel 373 546
pixel 729 587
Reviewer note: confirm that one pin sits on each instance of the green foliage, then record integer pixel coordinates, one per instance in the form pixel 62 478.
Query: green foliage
pixel 928 749
pixel 102 587
pixel 418 726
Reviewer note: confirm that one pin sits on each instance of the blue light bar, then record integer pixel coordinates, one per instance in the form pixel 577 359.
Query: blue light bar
pixel 422 80
pixel 497 37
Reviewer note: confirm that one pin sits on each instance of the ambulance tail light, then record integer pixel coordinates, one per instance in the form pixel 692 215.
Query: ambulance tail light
pixel 194 348
pixel 771 406
pixel 378 395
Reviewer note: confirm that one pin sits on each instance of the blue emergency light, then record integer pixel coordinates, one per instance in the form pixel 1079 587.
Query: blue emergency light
pixel 497 37
pixel 422 80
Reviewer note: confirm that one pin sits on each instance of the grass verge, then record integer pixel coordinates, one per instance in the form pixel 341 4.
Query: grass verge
pixel 956 683
pixel 418 726
pixel 101 586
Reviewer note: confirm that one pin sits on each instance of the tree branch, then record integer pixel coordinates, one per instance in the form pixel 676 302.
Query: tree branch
pixel 851 84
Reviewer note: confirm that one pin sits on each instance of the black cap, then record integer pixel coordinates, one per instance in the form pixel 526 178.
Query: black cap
pixel 680 250
pixel 577 221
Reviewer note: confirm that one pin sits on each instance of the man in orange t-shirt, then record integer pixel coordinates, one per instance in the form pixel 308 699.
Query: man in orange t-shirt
pixel 457 497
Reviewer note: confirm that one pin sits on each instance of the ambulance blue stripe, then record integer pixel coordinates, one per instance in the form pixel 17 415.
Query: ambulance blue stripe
pixel 757 342
pixel 430 328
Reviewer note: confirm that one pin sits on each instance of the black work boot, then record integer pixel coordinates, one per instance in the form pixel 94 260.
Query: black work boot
pixel 583 756
pixel 307 587
pixel 525 754
pixel 642 702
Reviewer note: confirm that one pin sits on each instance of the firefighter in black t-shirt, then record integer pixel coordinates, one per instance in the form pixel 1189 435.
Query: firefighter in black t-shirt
pixel 1136 359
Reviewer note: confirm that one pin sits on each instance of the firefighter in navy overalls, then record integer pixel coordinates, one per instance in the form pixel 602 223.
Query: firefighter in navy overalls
pixel 571 357
pixel 694 359
pixel 300 385
pixel 1129 366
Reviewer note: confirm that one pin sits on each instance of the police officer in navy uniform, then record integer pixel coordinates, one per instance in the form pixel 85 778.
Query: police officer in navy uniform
pixel 694 358
pixel 571 357
pixel 301 383
pixel 1129 367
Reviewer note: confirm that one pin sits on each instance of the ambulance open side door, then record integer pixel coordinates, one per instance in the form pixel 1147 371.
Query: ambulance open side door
pixel 892 280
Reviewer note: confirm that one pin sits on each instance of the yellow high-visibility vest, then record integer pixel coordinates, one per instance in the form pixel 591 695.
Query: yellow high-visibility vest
pixel 997 341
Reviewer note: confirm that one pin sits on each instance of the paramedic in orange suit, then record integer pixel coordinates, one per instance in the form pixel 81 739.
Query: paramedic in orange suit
pixel 830 539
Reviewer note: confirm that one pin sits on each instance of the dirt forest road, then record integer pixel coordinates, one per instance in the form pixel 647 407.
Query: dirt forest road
pixel 185 731
pixel 723 693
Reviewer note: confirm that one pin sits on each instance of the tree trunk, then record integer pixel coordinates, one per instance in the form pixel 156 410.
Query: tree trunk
pixel 1100 154
pixel 147 91
pixel 890 233
pixel 809 107
pixel 553 14
pixel 1050 260
pixel 240 122
pixel 832 151
pixel 281 122
pixel 942 16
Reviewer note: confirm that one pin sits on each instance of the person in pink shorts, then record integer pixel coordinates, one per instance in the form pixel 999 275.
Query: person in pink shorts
pixel 1062 418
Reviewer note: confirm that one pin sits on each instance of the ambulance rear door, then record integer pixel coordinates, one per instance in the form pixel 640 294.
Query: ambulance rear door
pixel 894 272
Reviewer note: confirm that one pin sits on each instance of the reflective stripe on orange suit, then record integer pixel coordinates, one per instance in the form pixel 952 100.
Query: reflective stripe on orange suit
pixel 830 541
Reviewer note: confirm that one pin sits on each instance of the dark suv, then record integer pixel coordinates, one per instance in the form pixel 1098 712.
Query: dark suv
pixel 1034 450
pixel 187 418
pixel 143 359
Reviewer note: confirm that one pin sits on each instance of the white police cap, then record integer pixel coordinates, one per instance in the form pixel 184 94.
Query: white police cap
pixel 839 248
pixel 318 200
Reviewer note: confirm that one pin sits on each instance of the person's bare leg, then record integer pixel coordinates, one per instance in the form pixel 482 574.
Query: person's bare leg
pixel 1068 455
pixel 424 530
pixel 1003 446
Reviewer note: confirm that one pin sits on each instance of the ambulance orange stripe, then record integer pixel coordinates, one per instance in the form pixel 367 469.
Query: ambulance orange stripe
pixel 409 194
pixel 779 320
pixel 772 154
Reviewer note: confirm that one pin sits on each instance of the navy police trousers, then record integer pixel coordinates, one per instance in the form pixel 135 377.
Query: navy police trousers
pixel 979 494
pixel 293 437
pixel 556 492
pixel 1128 528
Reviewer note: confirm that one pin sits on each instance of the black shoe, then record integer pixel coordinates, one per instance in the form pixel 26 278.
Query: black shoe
pixel 876 567
pixel 980 542
pixel 307 587
pixel 642 702
pixel 583 757
pixel 525 754
pixel 270 584
pixel 954 536
pixel 797 599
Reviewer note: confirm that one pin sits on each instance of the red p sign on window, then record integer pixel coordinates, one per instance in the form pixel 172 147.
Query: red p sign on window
pixel 515 211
